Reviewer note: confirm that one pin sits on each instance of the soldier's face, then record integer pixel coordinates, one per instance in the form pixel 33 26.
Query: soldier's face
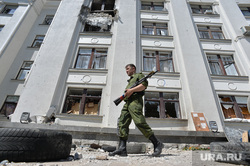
pixel 130 70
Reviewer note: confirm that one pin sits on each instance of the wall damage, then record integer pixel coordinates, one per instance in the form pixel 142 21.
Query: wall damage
pixel 98 18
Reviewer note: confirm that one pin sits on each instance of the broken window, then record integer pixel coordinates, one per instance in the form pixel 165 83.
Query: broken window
pixel 157 6
pixel 92 28
pixel 9 105
pixel 24 71
pixel 222 65
pixel 158 60
pixel 102 5
pixel 202 9
pixel 210 32
pixel 162 105
pixel 48 19
pixel 91 58
pixel 38 41
pixel 9 9
pixel 83 101
pixel 245 11
pixel 160 29
pixel 234 107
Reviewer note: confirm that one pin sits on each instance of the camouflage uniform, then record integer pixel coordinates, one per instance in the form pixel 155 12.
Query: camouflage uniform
pixel 132 109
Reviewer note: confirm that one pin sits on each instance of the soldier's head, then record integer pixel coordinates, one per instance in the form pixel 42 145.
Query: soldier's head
pixel 130 69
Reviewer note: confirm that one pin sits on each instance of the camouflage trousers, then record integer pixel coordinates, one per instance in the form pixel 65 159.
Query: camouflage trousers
pixel 132 109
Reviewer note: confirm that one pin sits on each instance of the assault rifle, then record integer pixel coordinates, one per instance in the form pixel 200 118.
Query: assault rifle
pixel 119 99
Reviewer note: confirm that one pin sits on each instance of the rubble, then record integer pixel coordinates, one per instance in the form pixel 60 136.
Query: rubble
pixel 172 154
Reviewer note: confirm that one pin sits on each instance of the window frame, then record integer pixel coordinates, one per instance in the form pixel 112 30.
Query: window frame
pixel 201 9
pixel 157 60
pixel 235 106
pixel 2 111
pixel 22 68
pixel 210 32
pixel 221 64
pixel 248 9
pixel 37 40
pixel 162 102
pixel 48 17
pixel 152 6
pixel 91 59
pixel 83 99
pixel 154 27
pixel 9 7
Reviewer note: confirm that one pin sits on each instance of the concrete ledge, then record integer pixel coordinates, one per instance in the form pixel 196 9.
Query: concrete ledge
pixel 110 134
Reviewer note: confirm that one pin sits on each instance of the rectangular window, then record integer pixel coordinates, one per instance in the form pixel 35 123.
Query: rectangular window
pixel 234 107
pixel 210 32
pixel 162 105
pixel 38 41
pixel 91 58
pixel 157 6
pixel 245 11
pixel 160 29
pixel 48 19
pixel 9 105
pixel 9 9
pixel 83 101
pixel 1 27
pixel 222 65
pixel 202 9
pixel 24 71
pixel 158 60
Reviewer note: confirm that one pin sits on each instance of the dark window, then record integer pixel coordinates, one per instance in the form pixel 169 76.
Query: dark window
pixel 210 32
pixel 1 27
pixel 157 6
pixel 83 101
pixel 48 19
pixel 91 58
pixel 9 105
pixel 90 28
pixel 24 71
pixel 202 9
pixel 234 107
pixel 38 41
pixel 222 65
pixel 9 9
pixel 162 105
pixel 245 11
pixel 158 60
pixel 106 6
pixel 155 29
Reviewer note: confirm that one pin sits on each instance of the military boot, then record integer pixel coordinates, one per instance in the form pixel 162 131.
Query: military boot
pixel 157 145
pixel 122 150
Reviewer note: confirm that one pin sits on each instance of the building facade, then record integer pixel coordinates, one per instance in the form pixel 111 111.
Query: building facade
pixel 67 59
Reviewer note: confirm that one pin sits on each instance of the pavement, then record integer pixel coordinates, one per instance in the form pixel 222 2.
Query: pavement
pixel 172 155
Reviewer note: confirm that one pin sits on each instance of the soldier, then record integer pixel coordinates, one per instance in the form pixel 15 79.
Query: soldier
pixel 132 109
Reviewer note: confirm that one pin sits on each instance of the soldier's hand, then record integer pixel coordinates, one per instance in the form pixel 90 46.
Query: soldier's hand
pixel 128 92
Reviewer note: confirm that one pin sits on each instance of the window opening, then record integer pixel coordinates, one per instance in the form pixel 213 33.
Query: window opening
pixel 234 107
pixel 158 60
pixel 9 105
pixel 24 71
pixel 38 41
pixel 222 65
pixel 83 101
pixel 162 105
pixel 91 58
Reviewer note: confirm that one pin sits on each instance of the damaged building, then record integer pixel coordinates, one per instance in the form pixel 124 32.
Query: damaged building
pixel 62 65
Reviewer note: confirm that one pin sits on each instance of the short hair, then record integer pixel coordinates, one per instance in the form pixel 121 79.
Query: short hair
pixel 131 65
